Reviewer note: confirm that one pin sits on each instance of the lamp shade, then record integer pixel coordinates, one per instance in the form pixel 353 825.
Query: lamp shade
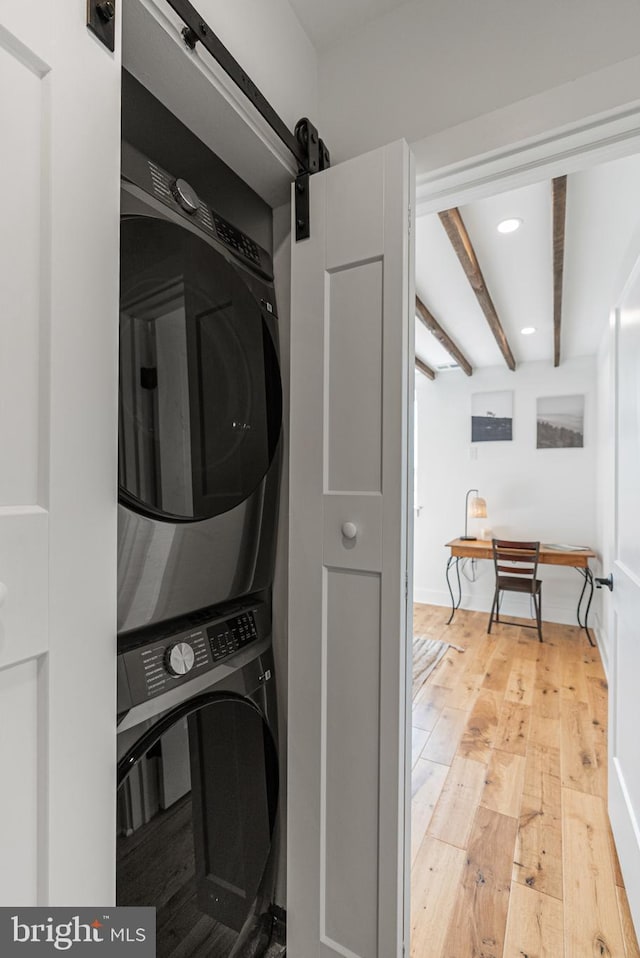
pixel 477 508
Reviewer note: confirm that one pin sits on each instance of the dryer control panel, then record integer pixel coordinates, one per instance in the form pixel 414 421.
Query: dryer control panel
pixel 179 196
pixel 155 660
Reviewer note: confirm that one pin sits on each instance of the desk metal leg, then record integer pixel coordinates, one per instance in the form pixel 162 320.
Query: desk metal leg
pixel 588 582
pixel 454 604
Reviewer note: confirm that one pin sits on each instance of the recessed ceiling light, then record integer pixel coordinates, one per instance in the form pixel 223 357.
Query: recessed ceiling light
pixel 528 330
pixel 509 226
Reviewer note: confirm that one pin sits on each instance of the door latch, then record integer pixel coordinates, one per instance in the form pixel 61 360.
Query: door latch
pixel 608 582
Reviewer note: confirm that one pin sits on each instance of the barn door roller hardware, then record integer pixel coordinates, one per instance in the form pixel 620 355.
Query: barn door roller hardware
pixel 308 149
pixel 101 20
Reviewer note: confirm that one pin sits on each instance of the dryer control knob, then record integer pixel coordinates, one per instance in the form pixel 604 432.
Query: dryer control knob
pixel 180 658
pixel 185 196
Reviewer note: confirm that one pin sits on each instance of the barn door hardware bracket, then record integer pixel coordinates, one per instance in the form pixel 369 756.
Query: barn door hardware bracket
pixel 316 158
pixel 308 149
pixel 101 20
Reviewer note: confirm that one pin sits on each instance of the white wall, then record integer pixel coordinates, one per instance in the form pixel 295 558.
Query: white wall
pixel 570 106
pixel 545 494
pixel 269 43
pixel 430 70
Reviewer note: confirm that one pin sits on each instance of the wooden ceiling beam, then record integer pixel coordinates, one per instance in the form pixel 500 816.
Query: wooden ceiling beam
pixel 443 338
pixel 559 203
pixel 457 233
pixel 427 370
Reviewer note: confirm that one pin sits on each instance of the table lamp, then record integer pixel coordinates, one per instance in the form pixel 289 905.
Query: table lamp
pixel 477 509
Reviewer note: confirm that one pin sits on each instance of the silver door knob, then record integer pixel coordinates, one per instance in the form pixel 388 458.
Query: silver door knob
pixel 349 530
pixel 3 593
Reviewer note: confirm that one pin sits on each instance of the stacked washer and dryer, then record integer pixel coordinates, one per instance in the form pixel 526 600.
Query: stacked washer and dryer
pixel 200 422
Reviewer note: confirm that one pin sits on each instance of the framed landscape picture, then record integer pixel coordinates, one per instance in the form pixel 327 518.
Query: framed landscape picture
pixel 492 416
pixel 560 422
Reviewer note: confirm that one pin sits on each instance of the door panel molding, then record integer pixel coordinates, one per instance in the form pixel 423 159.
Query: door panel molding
pixel 348 555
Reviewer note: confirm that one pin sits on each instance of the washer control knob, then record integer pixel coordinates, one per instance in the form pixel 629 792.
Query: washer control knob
pixel 180 658
pixel 185 196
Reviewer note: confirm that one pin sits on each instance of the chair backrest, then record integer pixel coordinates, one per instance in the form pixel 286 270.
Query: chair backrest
pixel 515 558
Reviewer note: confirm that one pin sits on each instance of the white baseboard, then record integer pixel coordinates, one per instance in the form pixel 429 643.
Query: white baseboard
pixel 626 833
pixel 424 597
pixel 514 605
pixel 602 641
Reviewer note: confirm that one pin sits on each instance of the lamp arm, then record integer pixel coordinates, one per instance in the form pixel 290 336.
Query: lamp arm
pixel 466 509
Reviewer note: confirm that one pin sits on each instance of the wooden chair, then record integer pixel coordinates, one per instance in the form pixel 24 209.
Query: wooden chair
pixel 516 565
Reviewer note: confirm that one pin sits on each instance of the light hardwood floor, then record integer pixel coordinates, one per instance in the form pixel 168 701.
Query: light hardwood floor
pixel 512 855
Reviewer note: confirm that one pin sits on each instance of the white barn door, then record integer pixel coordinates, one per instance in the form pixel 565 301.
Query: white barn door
pixel 624 767
pixel 351 378
pixel 59 162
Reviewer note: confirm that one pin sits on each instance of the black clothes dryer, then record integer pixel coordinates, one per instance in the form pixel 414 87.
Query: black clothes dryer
pixel 200 409
pixel 198 780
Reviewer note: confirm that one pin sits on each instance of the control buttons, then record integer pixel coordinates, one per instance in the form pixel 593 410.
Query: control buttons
pixel 185 196
pixel 231 636
pixel 180 658
pixel 236 240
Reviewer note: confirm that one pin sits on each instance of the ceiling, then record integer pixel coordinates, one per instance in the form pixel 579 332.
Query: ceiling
pixel 327 21
pixel 602 219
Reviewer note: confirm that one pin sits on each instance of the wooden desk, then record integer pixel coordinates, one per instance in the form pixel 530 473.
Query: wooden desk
pixel 577 559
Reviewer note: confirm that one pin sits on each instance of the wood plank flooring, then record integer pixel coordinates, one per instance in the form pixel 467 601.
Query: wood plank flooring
pixel 512 853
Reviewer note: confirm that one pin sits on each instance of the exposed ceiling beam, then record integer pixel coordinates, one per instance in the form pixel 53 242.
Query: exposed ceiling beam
pixel 427 370
pixel 457 233
pixel 559 195
pixel 443 338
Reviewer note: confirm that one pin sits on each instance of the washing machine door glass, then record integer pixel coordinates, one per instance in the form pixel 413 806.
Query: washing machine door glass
pixel 200 393
pixel 196 818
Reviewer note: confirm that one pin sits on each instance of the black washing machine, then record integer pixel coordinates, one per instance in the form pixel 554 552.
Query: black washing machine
pixel 200 403
pixel 198 780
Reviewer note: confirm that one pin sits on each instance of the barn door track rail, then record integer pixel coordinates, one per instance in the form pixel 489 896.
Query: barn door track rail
pixel 304 143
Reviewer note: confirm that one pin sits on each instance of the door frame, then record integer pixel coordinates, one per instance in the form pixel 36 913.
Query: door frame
pixel 609 136
pixel 624 822
pixel 565 149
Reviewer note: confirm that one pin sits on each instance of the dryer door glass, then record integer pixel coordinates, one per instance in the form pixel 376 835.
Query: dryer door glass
pixel 200 393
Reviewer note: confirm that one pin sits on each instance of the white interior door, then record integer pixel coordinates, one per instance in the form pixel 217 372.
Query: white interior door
pixel 624 672
pixel 351 379
pixel 59 116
